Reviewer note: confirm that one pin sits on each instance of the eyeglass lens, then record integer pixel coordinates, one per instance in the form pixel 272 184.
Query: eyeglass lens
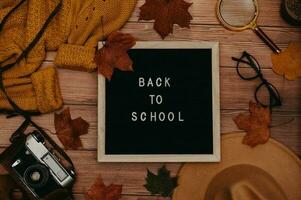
pixel 267 95
pixel 247 67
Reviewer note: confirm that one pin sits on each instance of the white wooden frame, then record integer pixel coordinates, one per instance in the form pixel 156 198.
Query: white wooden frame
pixel 215 157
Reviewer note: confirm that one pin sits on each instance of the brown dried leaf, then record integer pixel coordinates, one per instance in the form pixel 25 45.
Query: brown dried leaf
pixel 288 62
pixel 99 191
pixel 69 131
pixel 114 54
pixel 256 124
pixel 166 13
pixel 80 126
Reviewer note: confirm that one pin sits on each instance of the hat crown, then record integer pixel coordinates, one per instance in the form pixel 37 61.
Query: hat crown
pixel 244 182
pixel 245 190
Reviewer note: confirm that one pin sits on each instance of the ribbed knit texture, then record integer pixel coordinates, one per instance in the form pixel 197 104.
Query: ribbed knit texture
pixel 74 32
pixel 59 28
pixel 47 91
pixel 76 57
pixel 20 29
pixel 40 92
pixel 87 29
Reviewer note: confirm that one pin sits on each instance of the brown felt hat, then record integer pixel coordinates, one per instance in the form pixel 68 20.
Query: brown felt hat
pixel 266 172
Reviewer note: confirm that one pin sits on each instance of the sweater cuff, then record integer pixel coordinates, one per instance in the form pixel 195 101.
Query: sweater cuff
pixel 76 57
pixel 46 86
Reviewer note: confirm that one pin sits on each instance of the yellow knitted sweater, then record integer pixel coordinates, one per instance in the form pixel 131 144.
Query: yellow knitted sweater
pixel 73 32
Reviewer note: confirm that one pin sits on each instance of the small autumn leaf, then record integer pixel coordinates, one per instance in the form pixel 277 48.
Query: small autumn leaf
pixel 288 62
pixel 256 124
pixel 114 54
pixel 99 191
pixel 162 183
pixel 166 13
pixel 69 131
pixel 157 198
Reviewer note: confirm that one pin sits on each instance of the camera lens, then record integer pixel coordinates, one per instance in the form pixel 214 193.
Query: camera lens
pixel 36 176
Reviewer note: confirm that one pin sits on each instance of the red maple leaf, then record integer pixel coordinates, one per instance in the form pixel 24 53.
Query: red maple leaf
pixel 256 124
pixel 114 54
pixel 166 13
pixel 69 130
pixel 99 191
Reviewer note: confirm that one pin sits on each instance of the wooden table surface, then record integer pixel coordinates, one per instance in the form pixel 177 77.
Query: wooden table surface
pixel 80 93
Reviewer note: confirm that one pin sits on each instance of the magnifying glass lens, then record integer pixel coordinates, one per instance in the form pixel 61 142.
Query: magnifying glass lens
pixel 237 13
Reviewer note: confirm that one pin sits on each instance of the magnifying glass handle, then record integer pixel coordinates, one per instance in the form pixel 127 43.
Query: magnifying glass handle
pixel 259 32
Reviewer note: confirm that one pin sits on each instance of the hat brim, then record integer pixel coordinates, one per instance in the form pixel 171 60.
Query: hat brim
pixel 274 158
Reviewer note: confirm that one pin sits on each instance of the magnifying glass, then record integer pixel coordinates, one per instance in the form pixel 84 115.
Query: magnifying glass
pixel 239 15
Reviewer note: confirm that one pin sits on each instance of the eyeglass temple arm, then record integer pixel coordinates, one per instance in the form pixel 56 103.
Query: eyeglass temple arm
pixel 240 60
pixel 259 32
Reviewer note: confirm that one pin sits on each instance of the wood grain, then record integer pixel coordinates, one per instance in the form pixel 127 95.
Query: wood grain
pixel 233 96
pixel 285 126
pixel 127 197
pixel 130 175
pixel 80 92
pixel 203 12
pixel 231 43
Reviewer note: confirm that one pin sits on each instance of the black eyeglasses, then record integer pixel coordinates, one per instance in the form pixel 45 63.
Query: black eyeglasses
pixel 267 96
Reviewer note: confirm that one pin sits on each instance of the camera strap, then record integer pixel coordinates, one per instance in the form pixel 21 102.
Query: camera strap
pixel 16 109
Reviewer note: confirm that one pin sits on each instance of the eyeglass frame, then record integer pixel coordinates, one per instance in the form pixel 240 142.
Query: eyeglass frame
pixel 274 95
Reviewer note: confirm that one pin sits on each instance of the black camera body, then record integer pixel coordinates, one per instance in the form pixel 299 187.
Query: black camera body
pixel 37 166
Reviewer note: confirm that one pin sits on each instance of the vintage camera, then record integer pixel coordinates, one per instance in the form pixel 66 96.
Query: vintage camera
pixel 38 166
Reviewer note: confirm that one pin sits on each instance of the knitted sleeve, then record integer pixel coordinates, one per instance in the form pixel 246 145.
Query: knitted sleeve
pixel 20 30
pixel 12 44
pixel 7 4
pixel 95 20
pixel 38 92
pixel 3 10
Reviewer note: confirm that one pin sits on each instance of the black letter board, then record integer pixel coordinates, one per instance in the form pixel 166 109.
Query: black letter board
pixel 167 110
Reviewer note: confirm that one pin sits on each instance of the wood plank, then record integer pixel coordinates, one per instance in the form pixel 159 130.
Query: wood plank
pixel 46 121
pixel 233 96
pixel 80 92
pixel 285 126
pixel 231 43
pixel 88 87
pixel 130 175
pixel 127 197
pixel 203 12
pixel 236 93
pixel 280 35
pixel 78 86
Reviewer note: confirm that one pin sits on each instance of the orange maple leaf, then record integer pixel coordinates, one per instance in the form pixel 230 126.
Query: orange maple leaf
pixel 69 131
pixel 114 54
pixel 288 62
pixel 166 13
pixel 256 124
pixel 99 191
